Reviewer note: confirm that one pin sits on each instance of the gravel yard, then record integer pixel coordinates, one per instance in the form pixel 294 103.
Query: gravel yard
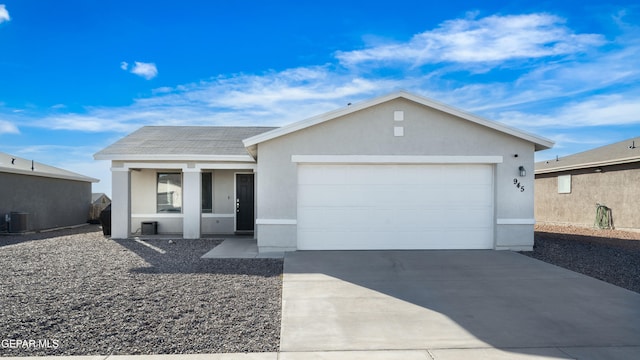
pixel 75 292
pixel 609 255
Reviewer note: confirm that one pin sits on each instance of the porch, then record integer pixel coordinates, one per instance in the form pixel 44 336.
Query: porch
pixel 183 199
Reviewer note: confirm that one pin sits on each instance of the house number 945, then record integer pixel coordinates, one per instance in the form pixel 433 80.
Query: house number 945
pixel 518 185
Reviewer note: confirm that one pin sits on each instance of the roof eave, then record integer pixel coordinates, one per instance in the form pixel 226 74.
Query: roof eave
pixel 588 165
pixel 539 142
pixel 74 177
pixel 174 157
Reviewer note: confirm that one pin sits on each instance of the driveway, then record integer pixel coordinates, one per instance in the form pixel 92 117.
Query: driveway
pixel 450 303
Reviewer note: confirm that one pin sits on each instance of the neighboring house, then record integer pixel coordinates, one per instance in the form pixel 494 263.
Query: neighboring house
pixel 569 188
pixel 35 196
pixel 396 172
pixel 99 201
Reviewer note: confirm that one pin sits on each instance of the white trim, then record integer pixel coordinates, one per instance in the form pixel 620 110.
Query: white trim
pixel 160 166
pixel 514 248
pixel 120 169
pixel 174 157
pixel 159 215
pixel 212 215
pixel 394 159
pixel 227 166
pixel 276 222
pixel 191 170
pixel 515 221
pixel 540 143
pixel 184 166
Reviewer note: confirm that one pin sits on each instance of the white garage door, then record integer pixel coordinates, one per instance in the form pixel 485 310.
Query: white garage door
pixel 353 207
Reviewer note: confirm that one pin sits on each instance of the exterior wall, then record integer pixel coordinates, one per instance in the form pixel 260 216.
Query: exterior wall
pixel 50 202
pixel 144 203
pixel 615 186
pixel 371 132
pixel 222 220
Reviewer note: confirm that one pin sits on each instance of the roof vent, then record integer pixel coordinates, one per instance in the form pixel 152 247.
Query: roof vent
pixel 633 145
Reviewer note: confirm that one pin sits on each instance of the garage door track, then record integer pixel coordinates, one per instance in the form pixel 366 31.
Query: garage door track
pixel 449 303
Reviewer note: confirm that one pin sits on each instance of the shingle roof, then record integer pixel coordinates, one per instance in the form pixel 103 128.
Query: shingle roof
pixel 172 142
pixel 17 165
pixel 626 151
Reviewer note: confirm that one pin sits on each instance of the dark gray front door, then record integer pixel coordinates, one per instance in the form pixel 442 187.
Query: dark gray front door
pixel 244 202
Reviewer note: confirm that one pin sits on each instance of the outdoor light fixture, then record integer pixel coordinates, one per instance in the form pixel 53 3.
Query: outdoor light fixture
pixel 523 172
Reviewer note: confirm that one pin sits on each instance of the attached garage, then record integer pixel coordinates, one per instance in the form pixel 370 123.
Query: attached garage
pixel 396 172
pixel 395 206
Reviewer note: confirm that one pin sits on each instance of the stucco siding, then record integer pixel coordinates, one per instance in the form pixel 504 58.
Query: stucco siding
pixel 223 192
pixel 371 132
pixel 50 202
pixel 616 187
pixel 143 192
pixel 276 237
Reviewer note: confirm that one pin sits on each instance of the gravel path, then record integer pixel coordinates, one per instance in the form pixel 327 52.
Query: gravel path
pixel 75 292
pixel 609 255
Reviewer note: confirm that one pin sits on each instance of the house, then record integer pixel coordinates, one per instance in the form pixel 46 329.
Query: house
pixel 35 196
pixel 99 201
pixel 396 172
pixel 569 188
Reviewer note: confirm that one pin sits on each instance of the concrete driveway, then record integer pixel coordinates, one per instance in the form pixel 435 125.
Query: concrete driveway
pixel 452 305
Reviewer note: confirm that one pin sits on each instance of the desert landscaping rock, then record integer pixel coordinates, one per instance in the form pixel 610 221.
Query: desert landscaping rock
pixel 609 255
pixel 94 295
pixel 75 292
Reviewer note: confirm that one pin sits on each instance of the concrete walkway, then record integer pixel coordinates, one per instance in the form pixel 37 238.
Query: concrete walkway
pixel 240 248
pixel 452 305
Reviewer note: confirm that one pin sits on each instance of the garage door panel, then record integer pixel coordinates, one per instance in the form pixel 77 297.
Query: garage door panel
pixel 371 195
pixel 417 206
pixel 379 219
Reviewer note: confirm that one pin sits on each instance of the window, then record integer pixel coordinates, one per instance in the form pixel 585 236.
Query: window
pixel 169 192
pixel 207 193
pixel 564 184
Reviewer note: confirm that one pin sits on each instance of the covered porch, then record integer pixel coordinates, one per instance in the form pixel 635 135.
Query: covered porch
pixel 187 199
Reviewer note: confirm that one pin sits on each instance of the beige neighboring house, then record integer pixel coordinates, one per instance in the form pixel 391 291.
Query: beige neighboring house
pixel 569 188
pixel 99 201
pixel 396 172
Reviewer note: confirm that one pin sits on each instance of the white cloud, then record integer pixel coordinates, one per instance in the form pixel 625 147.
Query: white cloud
pixel 273 98
pixel 124 65
pixel 4 14
pixel 8 128
pixel 145 70
pixel 600 110
pixel 490 39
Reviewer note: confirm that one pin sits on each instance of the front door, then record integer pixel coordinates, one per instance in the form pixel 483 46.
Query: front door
pixel 244 202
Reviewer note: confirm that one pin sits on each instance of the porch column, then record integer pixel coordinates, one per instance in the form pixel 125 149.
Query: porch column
pixel 191 203
pixel 120 203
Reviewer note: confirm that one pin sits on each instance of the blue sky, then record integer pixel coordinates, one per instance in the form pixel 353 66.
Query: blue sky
pixel 77 75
